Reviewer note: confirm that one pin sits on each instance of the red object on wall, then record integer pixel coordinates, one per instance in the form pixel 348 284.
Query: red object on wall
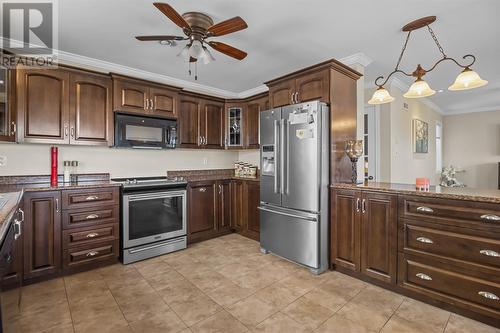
pixel 53 166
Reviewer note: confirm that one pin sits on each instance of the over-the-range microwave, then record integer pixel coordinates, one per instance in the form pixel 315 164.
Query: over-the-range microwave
pixel 135 131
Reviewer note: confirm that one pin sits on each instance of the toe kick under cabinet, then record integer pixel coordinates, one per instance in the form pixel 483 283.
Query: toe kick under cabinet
pixel 66 231
pixel 447 252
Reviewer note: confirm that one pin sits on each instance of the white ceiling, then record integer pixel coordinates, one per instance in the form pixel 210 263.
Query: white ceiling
pixel 285 35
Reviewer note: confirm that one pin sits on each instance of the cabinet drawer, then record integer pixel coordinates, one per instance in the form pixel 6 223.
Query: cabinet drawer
pixel 90 217
pixel 90 197
pixel 445 282
pixel 453 212
pixel 79 237
pixel 468 247
pixel 90 255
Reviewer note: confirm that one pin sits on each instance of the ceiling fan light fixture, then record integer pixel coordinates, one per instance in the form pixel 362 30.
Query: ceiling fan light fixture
pixel 419 89
pixel 196 49
pixel 206 56
pixel 381 96
pixel 184 54
pixel 467 79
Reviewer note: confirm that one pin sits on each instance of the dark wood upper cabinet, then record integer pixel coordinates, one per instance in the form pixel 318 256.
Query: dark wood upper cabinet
pixel 251 122
pixel 8 111
pixel 129 96
pixel 91 116
pixel 379 236
pixel 211 124
pixel 189 122
pixel 345 231
pixel 280 94
pixel 42 234
pixel 43 105
pixel 164 102
pixel 314 86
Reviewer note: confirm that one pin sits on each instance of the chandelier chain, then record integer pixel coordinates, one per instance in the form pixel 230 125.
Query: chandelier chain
pixel 436 41
pixel 403 50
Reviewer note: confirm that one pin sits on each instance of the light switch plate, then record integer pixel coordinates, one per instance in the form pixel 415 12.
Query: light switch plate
pixel 3 161
pixel 205 161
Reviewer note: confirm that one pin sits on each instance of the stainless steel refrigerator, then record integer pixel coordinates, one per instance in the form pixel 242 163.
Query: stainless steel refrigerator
pixel 294 161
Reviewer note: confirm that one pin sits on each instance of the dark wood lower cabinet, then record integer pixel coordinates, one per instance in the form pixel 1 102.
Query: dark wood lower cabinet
pixel 202 218
pixel 251 219
pixel 237 205
pixel 42 235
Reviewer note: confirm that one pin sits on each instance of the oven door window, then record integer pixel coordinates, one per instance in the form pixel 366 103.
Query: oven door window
pixel 155 216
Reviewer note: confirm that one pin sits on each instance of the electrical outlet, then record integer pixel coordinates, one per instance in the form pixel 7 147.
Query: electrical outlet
pixel 3 161
pixel 205 161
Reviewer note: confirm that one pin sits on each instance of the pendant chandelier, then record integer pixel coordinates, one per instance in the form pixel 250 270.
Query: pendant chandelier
pixel 467 79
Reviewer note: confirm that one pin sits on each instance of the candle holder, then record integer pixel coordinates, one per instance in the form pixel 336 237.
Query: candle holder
pixel 354 149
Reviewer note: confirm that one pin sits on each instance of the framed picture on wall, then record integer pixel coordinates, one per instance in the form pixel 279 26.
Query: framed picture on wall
pixel 420 136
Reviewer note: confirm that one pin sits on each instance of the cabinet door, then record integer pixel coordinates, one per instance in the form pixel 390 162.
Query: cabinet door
pixel 252 122
pixel 91 117
pixel 212 125
pixel 281 94
pixel 236 204
pixel 164 102
pixel 223 205
pixel 202 220
pixel 43 105
pixel 8 117
pixel 129 96
pixel 314 86
pixel 13 271
pixel 189 130
pixel 345 232
pixel 252 217
pixel 379 236
pixel 42 234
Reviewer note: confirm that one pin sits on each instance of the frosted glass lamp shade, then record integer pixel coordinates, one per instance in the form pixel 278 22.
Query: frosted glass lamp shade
pixel 419 89
pixel 467 79
pixel 380 96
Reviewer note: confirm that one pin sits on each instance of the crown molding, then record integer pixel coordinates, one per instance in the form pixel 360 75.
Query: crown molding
pixel 252 92
pixel 465 111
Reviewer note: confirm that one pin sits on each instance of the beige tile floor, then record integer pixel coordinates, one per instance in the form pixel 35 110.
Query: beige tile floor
pixel 222 285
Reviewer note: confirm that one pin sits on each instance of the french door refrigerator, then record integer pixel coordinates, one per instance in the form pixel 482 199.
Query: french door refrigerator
pixel 294 161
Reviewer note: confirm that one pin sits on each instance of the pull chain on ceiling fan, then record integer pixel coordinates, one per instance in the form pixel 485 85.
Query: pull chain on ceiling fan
pixel 198 27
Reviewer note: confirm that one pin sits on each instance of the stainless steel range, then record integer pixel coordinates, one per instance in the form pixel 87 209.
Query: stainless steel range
pixel 153 216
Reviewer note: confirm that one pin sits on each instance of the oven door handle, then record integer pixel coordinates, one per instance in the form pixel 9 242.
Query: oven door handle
pixel 160 195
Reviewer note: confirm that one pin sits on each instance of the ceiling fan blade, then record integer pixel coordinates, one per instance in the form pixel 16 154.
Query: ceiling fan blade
pixel 228 26
pixel 228 50
pixel 172 14
pixel 161 37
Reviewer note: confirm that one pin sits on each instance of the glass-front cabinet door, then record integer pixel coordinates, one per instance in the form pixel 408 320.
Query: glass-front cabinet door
pixel 7 121
pixel 234 127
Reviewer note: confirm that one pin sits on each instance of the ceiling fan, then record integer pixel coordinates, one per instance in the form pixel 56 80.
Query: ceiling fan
pixel 198 27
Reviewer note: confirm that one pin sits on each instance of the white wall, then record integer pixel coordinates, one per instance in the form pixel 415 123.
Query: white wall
pixel 33 159
pixel 398 162
pixel 472 141
pixel 250 156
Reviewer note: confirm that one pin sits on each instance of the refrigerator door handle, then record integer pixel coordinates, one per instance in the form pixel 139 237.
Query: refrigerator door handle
pixel 288 214
pixel 277 152
pixel 287 152
pixel 283 171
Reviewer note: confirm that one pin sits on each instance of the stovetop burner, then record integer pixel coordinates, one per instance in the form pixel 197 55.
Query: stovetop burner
pixel 150 182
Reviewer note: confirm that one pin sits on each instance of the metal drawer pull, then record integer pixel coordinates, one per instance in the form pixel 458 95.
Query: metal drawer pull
pixel 425 240
pixel 490 217
pixel 424 209
pixel 488 295
pixel 92 253
pixel 92 235
pixel 424 276
pixel 92 197
pixel 489 253
pixel 92 216
pixel 203 189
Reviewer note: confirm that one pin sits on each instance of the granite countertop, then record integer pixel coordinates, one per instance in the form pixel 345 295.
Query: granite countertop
pixel 216 174
pixel 8 205
pixel 460 193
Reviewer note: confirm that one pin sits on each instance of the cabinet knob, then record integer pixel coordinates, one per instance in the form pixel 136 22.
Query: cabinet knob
pixel 489 295
pixel 490 217
pixel 425 240
pixel 490 253
pixel 424 276
pixel 424 209
pixel 92 253
pixel 92 235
